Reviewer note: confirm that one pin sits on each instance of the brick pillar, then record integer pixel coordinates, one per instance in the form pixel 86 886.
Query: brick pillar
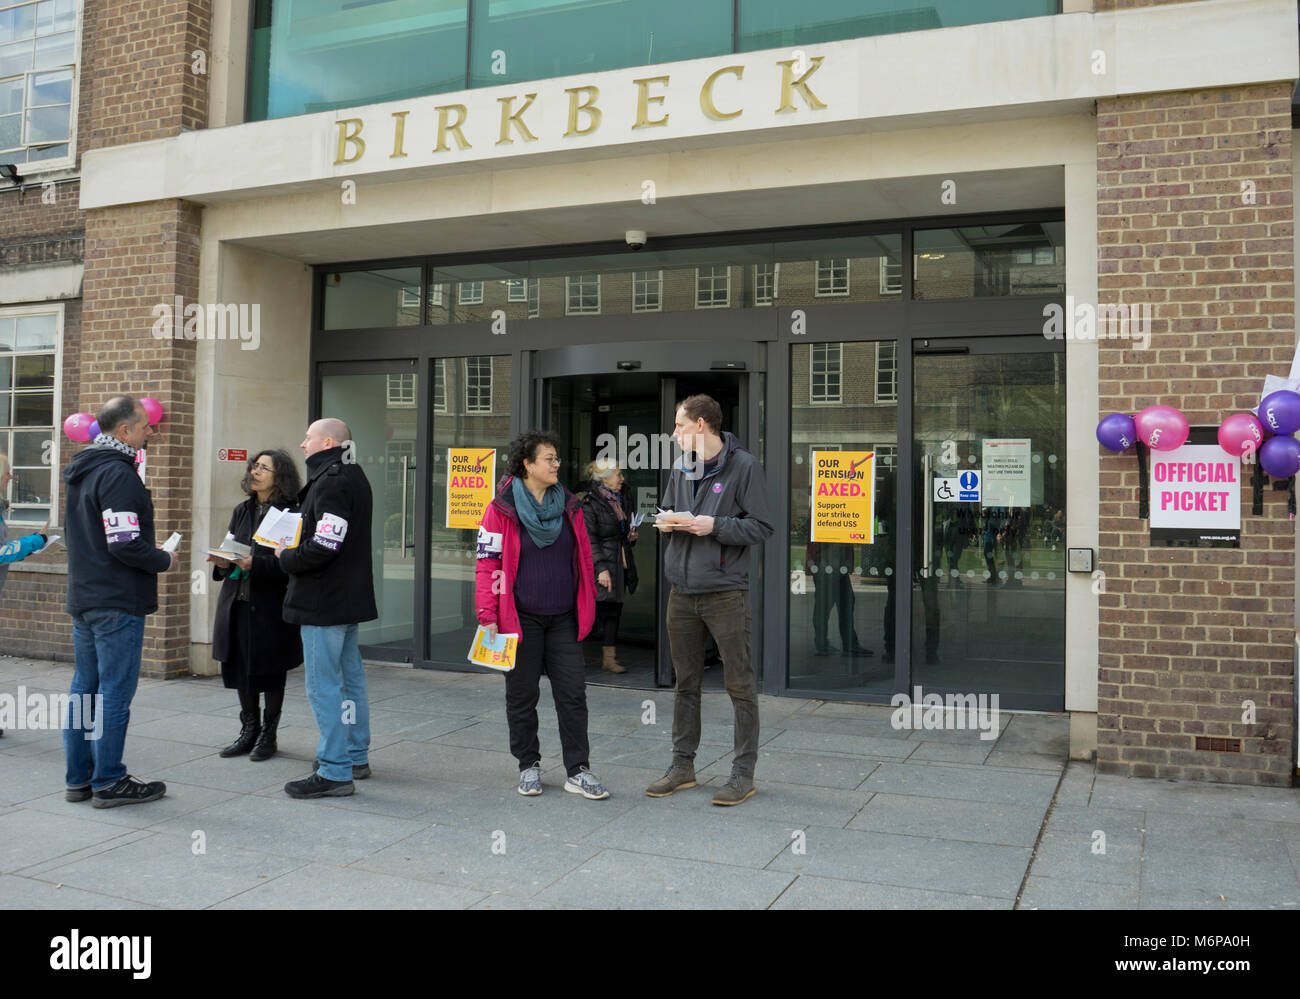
pixel 1195 217
pixel 142 60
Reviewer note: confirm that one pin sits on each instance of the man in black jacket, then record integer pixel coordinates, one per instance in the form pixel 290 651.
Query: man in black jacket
pixel 707 563
pixel 331 590
pixel 113 566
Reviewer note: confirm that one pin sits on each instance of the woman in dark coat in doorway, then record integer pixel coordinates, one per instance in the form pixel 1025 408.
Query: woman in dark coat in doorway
pixel 254 645
pixel 607 508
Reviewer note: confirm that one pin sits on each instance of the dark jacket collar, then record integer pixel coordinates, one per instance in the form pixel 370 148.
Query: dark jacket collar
pixel 322 460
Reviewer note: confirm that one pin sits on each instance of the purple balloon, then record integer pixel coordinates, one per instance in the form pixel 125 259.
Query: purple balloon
pixel 1280 411
pixel 1116 432
pixel 1280 456
pixel 94 430
pixel 1161 428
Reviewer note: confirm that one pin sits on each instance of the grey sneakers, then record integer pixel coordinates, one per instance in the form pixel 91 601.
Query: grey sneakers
pixel 530 780
pixel 584 782
pixel 676 778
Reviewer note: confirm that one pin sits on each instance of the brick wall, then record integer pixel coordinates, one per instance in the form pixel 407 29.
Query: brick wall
pixel 138 256
pixel 1188 634
pixel 143 85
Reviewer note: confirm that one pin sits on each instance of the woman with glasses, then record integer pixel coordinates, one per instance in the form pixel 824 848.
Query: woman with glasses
pixel 254 645
pixel 534 578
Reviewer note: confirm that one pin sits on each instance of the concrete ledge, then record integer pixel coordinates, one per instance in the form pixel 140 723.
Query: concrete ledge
pixel 1083 735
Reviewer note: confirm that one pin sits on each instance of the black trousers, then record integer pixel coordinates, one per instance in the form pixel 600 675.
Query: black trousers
pixel 548 643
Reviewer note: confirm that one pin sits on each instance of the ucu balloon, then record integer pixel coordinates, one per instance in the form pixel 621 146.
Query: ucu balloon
pixel 1161 428
pixel 1280 411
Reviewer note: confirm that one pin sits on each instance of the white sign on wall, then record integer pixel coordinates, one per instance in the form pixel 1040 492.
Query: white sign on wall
pixel 1196 488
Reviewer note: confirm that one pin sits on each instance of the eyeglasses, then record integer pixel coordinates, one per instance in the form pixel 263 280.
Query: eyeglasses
pixel 549 461
pixel 264 468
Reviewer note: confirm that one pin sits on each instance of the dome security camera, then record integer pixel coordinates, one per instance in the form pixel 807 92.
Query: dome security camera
pixel 635 238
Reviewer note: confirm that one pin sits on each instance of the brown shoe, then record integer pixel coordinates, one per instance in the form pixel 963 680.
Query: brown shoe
pixel 608 662
pixel 675 779
pixel 736 790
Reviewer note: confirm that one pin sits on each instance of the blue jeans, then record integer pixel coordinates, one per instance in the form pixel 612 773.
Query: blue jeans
pixel 107 646
pixel 336 688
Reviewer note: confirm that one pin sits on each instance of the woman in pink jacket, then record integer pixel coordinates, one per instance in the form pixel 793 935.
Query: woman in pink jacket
pixel 534 578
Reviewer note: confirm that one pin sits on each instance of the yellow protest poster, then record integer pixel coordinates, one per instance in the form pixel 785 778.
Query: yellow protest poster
pixel 471 474
pixel 843 489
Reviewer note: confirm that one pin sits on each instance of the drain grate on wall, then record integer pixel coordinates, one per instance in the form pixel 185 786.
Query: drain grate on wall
pixel 1218 745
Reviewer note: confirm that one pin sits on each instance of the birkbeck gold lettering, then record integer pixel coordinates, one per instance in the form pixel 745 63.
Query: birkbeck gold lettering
pixel 584 100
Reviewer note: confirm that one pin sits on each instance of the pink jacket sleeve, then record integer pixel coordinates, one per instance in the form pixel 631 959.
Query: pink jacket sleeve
pixel 487 566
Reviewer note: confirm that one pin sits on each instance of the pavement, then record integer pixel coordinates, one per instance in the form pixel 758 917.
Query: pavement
pixel 850 813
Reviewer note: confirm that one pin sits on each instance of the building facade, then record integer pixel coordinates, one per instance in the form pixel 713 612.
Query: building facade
pixel 847 222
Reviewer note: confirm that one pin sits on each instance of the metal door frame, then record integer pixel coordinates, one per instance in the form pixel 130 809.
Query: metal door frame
pixel 667 359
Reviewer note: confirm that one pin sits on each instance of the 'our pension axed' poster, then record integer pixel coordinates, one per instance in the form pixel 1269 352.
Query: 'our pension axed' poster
pixel 471 474
pixel 1196 495
pixel 843 485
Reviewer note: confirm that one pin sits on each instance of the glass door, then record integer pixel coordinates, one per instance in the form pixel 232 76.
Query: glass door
pixel 379 403
pixel 988 519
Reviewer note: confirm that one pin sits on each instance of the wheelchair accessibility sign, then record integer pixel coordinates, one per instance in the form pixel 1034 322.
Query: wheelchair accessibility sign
pixel 963 488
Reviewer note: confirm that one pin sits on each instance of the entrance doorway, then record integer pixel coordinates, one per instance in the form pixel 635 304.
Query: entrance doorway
pixel 629 416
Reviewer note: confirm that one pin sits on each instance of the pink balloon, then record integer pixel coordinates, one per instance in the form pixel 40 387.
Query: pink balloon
pixel 153 408
pixel 77 427
pixel 1161 428
pixel 1240 434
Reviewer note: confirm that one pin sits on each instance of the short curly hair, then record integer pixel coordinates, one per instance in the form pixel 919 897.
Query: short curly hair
pixel 525 447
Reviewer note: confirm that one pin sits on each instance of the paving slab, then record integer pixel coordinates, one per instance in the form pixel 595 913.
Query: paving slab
pixel 934 751
pixel 28 837
pixel 1043 735
pixel 951 818
pixel 303 830
pixel 451 855
pixel 234 774
pixel 439 761
pixel 618 879
pixel 181 799
pixel 161 869
pixel 325 886
pixel 1226 800
pixel 1057 893
pixel 973 783
pixel 30 893
pixel 840 744
pixel 909 861
pixel 808 892
pixel 689 827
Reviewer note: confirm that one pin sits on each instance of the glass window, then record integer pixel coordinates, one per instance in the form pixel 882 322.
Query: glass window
pixel 832 277
pixel 478 384
pixel 712 287
pixel 517 289
pixel 842 594
pixel 536 39
pixel 325 54
pixel 582 295
pixel 368 299
pixel 770 24
pixel 451 550
pixel 401 390
pixel 1026 258
pixel 824 382
pixel 470 293
pixel 766 279
pixel 440 385
pixel 891 276
pixel 886 372
pixel 29 346
pixel 647 291
pixel 37 74
pixel 534 299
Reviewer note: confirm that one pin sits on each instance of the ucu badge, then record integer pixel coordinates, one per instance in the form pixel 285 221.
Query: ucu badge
pixel 120 526
pixel 1272 420
pixel 330 531
pixel 1155 437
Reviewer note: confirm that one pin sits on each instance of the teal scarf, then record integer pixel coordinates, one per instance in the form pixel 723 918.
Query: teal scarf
pixel 544 520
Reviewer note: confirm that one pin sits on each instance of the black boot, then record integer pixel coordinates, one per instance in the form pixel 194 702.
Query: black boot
pixel 266 746
pixel 247 735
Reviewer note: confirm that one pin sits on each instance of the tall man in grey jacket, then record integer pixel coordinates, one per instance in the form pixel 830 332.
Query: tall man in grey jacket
pixel 707 563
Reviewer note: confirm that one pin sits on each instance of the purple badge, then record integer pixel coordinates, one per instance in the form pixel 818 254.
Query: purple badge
pixel 717 487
